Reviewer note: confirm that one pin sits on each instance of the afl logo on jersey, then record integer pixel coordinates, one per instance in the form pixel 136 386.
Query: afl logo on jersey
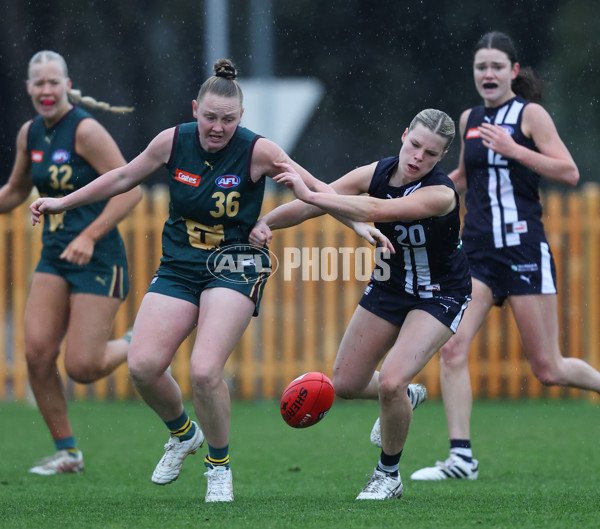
pixel 61 156
pixel 228 180
pixel 508 129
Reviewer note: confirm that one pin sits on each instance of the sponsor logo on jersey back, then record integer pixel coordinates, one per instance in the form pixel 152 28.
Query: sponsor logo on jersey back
pixel 37 156
pixel 187 178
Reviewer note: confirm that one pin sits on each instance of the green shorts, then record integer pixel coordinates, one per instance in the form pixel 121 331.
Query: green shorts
pixel 228 268
pixel 102 279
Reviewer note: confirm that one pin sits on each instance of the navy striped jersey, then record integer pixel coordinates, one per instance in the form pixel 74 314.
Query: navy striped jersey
pixel 502 201
pixel 213 202
pixel 56 171
pixel 429 260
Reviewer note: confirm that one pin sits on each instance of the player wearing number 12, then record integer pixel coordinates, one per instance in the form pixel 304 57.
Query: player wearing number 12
pixel 216 180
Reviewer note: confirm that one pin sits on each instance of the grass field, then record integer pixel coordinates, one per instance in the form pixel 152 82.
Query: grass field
pixel 539 468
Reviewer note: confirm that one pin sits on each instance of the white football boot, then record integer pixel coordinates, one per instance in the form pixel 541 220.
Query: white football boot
pixel 454 467
pixel 381 486
pixel 219 484
pixel 176 451
pixel 62 462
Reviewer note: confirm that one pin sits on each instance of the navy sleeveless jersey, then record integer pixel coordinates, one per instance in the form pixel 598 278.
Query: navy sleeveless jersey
pixel 429 260
pixel 502 200
pixel 214 203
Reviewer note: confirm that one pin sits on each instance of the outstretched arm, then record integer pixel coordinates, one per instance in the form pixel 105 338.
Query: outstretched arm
pixel 113 182
pixel 423 203
pixel 272 161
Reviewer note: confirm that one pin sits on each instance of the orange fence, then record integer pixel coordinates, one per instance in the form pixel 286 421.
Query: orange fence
pixel 323 268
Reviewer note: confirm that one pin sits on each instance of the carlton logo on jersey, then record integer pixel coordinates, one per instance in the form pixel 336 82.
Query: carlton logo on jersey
pixel 60 156
pixel 187 178
pixel 228 180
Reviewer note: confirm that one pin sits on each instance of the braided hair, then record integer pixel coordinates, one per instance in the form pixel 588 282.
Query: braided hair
pixel 75 95
pixel 436 121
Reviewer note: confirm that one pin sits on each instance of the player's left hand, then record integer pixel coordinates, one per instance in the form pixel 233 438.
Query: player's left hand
pixel 290 177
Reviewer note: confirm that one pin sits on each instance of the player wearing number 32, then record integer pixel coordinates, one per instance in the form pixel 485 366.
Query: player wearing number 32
pixel 216 182
pixel 81 278
pixel 408 314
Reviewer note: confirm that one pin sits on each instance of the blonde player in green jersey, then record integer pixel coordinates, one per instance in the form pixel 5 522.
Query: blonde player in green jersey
pixel 81 278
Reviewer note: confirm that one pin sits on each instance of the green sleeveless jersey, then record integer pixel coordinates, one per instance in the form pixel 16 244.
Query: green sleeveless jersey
pixel 213 201
pixel 56 171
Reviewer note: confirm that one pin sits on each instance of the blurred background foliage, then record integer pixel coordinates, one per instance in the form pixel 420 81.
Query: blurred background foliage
pixel 379 62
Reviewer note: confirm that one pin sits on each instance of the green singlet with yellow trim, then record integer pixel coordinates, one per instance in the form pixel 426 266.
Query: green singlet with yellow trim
pixel 213 203
pixel 56 171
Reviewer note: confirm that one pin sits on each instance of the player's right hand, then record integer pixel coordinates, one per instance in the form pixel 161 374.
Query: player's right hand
pixel 44 205
pixel 260 235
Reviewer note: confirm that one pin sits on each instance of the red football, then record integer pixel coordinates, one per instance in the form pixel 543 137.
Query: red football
pixel 306 400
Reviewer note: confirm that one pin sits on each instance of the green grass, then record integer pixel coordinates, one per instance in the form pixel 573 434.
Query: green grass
pixel 539 468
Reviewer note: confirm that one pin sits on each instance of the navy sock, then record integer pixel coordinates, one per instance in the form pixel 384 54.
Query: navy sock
pixel 389 463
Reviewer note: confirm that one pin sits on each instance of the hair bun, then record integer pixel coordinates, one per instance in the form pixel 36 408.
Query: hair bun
pixel 227 71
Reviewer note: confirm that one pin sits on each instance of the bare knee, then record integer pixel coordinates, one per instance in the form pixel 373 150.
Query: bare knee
pixel 344 387
pixel 82 371
pixel 205 380
pixel 392 388
pixel 547 373
pixel 454 354
pixel 142 371
pixel 41 361
pixel 340 388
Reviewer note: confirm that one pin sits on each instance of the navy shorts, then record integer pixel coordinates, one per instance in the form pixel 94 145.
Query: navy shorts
pixel 233 270
pixel 103 279
pixel 514 270
pixel 392 306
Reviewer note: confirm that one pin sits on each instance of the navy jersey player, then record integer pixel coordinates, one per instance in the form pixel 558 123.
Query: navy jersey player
pixel 415 299
pixel 81 278
pixel 508 143
pixel 209 279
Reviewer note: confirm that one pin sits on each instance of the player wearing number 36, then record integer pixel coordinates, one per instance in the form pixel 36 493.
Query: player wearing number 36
pixel 217 175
